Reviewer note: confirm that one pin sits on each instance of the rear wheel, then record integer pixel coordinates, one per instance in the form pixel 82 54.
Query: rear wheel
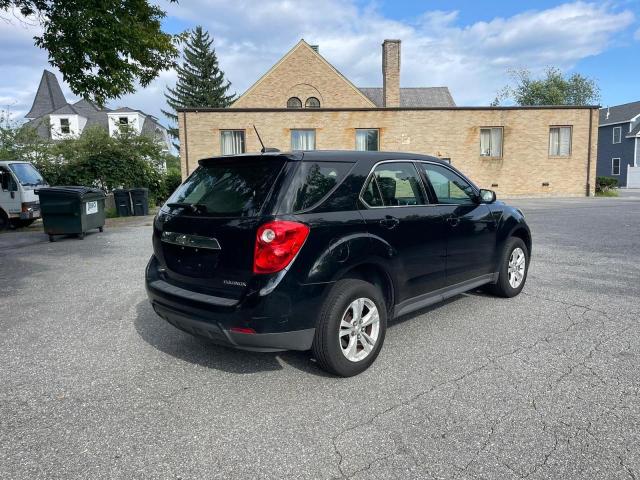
pixel 351 328
pixel 4 221
pixel 514 267
pixel 18 223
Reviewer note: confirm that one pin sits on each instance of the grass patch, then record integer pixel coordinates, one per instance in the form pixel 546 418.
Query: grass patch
pixel 607 193
pixel 111 213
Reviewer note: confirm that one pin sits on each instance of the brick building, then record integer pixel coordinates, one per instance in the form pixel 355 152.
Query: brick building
pixel 303 102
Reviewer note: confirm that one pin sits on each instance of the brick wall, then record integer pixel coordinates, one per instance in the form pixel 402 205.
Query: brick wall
pixel 302 73
pixel 452 133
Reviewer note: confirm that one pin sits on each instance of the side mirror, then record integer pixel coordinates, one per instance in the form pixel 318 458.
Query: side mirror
pixel 487 196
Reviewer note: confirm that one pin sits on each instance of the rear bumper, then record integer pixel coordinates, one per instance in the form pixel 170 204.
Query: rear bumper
pixel 272 317
pixel 261 342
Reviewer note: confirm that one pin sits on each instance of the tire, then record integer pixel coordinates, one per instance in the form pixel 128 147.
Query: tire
pixel 4 221
pixel 504 286
pixel 101 229
pixel 17 223
pixel 330 348
pixel 51 239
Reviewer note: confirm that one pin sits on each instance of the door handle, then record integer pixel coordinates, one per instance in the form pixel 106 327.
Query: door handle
pixel 453 221
pixel 389 222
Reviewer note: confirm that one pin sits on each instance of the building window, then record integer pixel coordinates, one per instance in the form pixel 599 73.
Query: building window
pixel 294 102
pixel 560 141
pixel 367 139
pixel 617 134
pixel 64 126
pixel 123 120
pixel 491 142
pixel 232 142
pixel 615 166
pixel 303 139
pixel 312 102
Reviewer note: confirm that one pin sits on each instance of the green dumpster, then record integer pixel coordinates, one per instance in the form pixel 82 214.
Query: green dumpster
pixel 71 210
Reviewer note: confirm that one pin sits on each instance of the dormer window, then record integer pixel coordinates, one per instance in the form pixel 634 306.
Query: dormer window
pixel 294 102
pixel 123 121
pixel 65 127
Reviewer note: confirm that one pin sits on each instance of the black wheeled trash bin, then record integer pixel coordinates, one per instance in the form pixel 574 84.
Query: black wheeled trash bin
pixel 71 210
pixel 122 198
pixel 140 201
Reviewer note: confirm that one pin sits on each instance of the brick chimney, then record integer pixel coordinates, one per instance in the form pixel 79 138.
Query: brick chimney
pixel 391 73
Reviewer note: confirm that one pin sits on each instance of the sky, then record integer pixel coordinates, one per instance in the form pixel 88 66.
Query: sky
pixel 468 46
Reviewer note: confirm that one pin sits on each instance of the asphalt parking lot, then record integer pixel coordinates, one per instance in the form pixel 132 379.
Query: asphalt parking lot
pixel 545 385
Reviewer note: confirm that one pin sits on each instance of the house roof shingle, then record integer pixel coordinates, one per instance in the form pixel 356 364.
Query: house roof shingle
pixel 619 113
pixel 414 97
pixel 635 132
pixel 49 96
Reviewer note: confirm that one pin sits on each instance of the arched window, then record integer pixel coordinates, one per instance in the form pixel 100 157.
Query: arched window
pixel 294 102
pixel 312 102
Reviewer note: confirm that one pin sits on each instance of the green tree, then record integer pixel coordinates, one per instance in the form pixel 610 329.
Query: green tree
pixel 102 48
pixel 200 83
pixel 553 88
pixel 20 142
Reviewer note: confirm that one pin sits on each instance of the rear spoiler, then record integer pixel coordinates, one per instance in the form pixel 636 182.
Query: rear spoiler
pixel 256 157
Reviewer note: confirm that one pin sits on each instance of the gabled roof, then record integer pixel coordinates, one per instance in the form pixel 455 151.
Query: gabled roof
pixel 65 110
pixel 48 98
pixel 619 113
pixel 125 110
pixel 303 44
pixel 414 97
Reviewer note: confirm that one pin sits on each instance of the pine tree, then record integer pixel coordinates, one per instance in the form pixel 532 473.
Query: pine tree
pixel 200 83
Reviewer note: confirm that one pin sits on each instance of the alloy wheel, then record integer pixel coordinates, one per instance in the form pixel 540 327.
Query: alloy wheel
pixel 359 329
pixel 517 265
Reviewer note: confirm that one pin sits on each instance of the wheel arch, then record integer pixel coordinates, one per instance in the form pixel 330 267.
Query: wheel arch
pixel 524 234
pixel 376 274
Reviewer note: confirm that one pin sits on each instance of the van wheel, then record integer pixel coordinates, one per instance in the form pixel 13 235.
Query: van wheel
pixel 513 269
pixel 4 221
pixel 351 328
pixel 18 223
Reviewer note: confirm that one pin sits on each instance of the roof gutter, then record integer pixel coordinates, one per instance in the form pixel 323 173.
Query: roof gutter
pixel 388 109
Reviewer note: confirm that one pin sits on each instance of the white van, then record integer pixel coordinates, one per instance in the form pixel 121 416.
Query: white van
pixel 19 205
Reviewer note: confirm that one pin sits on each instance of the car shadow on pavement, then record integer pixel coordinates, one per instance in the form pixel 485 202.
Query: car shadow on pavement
pixel 166 338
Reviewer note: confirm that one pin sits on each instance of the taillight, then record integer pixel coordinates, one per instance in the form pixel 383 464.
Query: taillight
pixel 277 243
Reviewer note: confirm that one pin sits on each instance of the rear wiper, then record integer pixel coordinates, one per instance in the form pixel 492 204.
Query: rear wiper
pixel 194 207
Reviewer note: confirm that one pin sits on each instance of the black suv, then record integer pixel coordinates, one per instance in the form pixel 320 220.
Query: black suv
pixel 316 250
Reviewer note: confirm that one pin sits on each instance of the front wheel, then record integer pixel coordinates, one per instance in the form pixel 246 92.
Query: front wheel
pixel 351 328
pixel 513 269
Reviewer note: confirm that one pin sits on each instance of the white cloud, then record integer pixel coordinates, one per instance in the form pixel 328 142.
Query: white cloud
pixel 437 49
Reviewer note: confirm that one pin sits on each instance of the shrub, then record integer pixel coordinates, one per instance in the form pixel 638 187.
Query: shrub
pixel 604 184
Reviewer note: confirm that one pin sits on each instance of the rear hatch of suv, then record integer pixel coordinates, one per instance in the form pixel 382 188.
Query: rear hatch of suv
pixel 205 234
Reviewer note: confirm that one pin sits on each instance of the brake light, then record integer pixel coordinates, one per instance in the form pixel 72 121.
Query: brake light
pixel 277 243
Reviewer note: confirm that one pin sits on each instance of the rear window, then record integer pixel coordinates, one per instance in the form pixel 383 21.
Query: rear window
pixel 235 189
pixel 314 180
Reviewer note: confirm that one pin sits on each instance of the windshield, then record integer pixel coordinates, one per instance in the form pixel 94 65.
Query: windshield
pixel 26 174
pixel 229 189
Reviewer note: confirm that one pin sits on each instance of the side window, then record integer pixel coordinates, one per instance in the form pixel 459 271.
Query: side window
pixel 398 184
pixel 448 186
pixel 371 194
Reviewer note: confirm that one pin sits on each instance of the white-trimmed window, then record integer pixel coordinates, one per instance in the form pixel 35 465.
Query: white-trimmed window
pixel 615 166
pixel 559 141
pixel 303 139
pixel 367 139
pixel 232 142
pixel 65 126
pixel 491 141
pixel 617 134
